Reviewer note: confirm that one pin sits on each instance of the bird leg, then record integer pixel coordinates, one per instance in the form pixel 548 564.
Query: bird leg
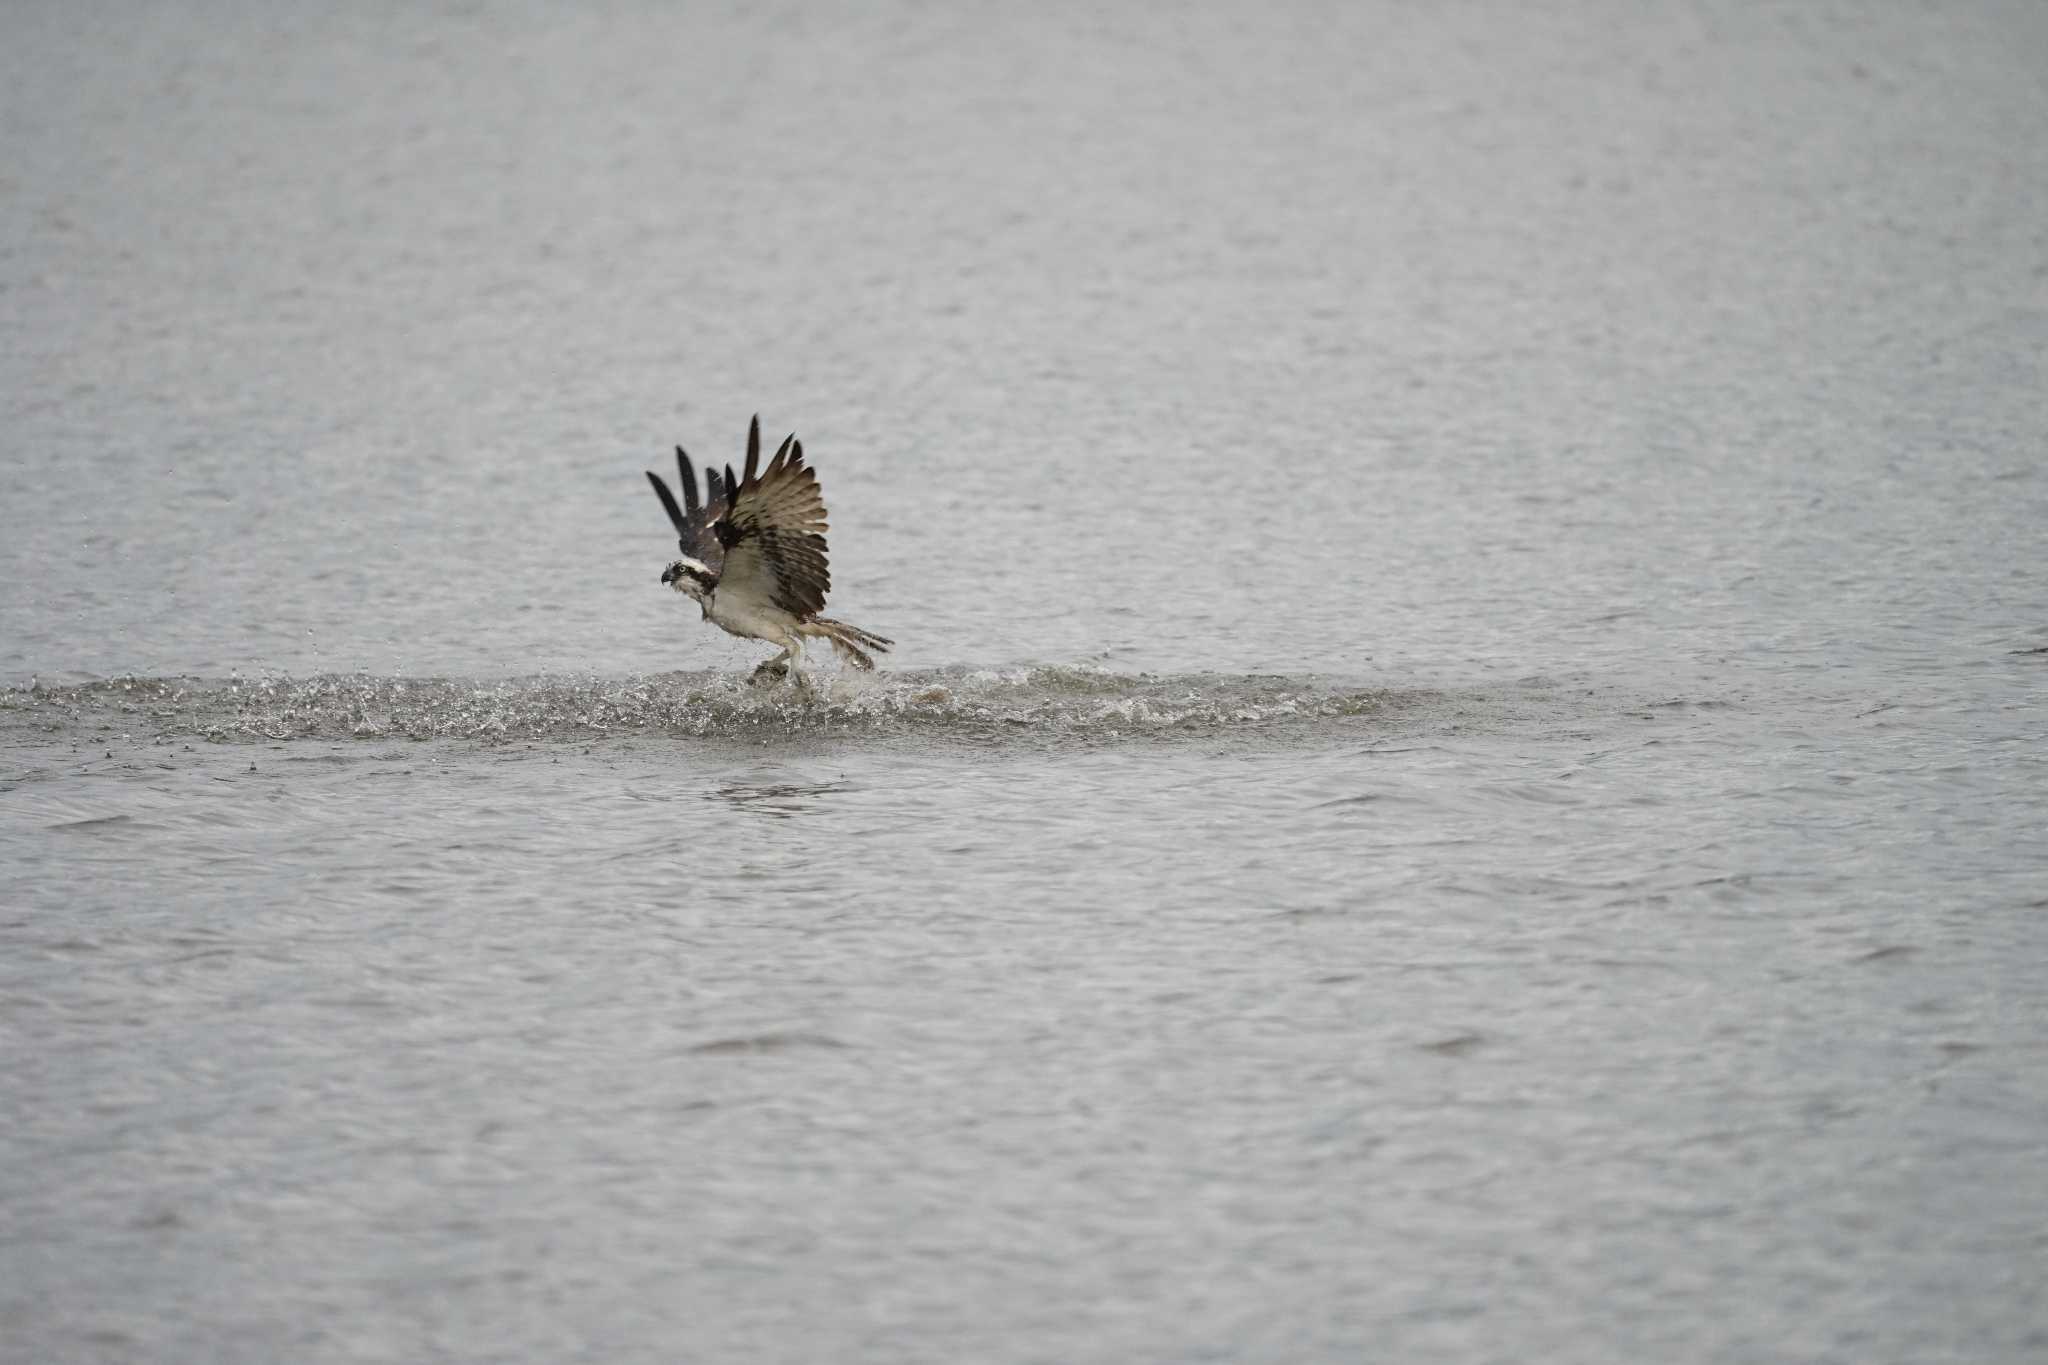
pixel 775 668
pixel 797 673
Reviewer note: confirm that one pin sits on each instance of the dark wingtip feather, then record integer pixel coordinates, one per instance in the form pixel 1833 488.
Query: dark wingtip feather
pixel 668 501
pixel 689 477
pixel 753 465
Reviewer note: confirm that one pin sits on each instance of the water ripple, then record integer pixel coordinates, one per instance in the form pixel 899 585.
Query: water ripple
pixel 971 705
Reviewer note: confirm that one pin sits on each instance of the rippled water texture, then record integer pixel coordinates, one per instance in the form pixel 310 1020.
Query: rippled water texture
pixel 1463 777
pixel 1023 706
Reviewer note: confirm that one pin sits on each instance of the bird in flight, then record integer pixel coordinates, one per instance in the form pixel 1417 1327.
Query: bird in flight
pixel 754 556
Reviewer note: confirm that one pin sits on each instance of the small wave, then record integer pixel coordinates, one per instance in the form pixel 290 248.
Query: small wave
pixel 977 705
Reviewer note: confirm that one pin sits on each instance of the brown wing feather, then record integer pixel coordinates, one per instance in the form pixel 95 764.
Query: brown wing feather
pixel 774 534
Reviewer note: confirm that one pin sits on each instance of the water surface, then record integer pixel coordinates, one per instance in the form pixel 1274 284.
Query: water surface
pixel 1463 777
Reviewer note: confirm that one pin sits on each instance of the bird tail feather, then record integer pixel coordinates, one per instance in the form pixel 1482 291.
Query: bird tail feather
pixel 848 640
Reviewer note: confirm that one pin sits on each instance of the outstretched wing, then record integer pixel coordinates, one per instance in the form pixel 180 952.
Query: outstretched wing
pixel 693 520
pixel 773 533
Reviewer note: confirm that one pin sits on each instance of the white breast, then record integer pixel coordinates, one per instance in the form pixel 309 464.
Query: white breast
pixel 743 613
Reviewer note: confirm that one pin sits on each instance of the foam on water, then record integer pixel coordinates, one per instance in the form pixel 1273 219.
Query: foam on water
pixel 968 704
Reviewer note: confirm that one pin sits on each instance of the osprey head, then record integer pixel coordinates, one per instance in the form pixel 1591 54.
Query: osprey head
pixel 690 576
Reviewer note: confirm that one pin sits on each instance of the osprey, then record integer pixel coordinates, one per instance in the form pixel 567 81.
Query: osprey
pixel 754 555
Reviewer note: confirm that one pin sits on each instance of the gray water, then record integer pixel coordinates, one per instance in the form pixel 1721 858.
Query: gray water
pixel 1463 777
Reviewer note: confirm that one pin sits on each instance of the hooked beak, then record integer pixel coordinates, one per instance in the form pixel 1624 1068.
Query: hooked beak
pixel 668 575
